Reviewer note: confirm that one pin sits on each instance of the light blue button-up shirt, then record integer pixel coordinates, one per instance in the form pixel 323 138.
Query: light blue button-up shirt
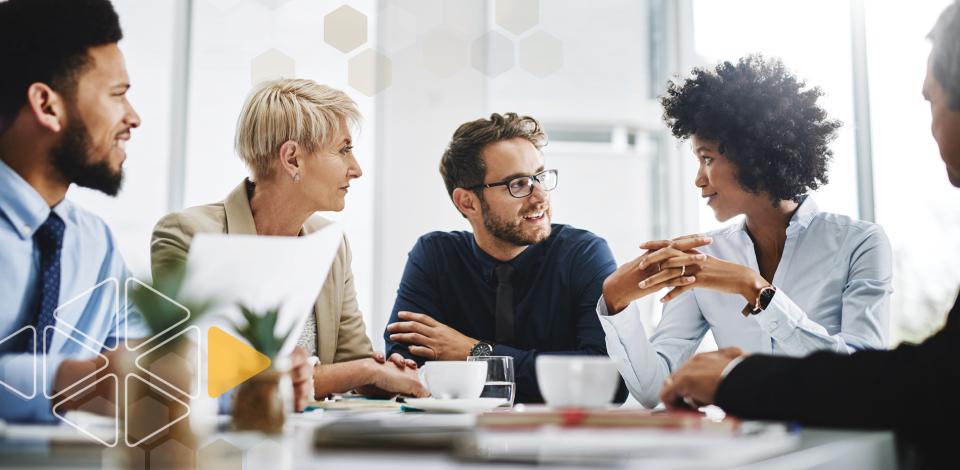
pixel 91 282
pixel 833 290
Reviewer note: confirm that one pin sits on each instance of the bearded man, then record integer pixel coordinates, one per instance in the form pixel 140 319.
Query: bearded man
pixel 64 120
pixel 517 285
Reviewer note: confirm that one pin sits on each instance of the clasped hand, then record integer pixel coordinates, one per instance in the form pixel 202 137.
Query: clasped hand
pixel 677 264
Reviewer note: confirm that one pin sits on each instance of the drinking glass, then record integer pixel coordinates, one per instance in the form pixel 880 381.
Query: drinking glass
pixel 500 380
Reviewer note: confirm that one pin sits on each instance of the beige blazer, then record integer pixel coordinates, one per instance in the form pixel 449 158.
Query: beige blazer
pixel 341 333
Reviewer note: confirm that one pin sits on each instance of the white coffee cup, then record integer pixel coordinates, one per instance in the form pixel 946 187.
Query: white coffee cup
pixel 577 381
pixel 454 379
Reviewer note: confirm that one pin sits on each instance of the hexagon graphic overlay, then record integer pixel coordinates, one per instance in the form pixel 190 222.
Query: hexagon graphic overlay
pixel 345 29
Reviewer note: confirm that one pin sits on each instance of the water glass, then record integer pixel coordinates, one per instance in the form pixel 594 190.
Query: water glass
pixel 500 381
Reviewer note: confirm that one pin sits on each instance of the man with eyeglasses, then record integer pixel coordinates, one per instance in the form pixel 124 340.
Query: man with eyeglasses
pixel 516 286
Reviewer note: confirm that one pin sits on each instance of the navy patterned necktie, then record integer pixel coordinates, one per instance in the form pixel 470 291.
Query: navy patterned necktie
pixel 504 306
pixel 48 240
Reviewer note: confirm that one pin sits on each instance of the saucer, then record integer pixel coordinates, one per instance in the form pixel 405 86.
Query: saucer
pixel 454 405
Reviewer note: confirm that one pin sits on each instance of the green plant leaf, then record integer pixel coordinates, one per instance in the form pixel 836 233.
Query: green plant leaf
pixel 259 331
pixel 159 313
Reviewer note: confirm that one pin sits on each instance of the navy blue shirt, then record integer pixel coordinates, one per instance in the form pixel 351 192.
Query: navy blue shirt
pixel 556 286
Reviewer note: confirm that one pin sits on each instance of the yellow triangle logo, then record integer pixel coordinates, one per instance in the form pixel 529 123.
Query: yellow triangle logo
pixel 230 361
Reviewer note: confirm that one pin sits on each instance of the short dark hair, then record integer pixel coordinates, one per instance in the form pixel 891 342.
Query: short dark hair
pixel 767 123
pixel 945 54
pixel 462 164
pixel 47 41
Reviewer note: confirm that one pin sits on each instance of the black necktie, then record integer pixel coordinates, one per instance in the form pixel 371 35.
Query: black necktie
pixel 504 312
pixel 48 240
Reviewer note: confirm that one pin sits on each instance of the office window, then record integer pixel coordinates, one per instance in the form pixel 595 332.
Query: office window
pixel 813 39
pixel 915 203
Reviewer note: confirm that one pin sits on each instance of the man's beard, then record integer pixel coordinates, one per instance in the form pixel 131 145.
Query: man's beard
pixel 71 157
pixel 512 232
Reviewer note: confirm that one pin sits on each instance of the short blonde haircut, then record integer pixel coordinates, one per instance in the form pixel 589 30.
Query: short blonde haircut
pixel 300 110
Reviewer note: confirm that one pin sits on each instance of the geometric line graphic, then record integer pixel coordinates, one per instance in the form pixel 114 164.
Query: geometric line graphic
pixel 112 379
pixel 126 294
pixel 83 296
pixel 95 350
pixel 131 408
pixel 154 394
pixel 171 359
pixel 166 368
pixel 27 331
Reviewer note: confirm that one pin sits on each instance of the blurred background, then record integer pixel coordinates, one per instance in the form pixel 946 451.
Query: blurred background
pixel 589 71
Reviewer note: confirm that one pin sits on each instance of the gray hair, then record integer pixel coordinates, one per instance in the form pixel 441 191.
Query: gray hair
pixel 945 56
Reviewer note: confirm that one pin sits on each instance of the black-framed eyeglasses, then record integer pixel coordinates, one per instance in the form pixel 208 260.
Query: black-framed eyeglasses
pixel 522 186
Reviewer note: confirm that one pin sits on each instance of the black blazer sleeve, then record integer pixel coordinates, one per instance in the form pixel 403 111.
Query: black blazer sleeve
pixel 908 389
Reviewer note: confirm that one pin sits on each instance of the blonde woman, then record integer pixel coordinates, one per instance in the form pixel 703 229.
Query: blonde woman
pixel 294 137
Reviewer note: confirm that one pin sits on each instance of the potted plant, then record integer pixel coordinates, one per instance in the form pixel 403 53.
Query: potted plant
pixel 263 401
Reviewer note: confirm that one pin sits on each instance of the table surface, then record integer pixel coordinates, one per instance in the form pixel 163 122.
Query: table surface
pixel 33 447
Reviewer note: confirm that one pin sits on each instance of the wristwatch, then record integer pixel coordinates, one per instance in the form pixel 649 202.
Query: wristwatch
pixel 763 299
pixel 481 349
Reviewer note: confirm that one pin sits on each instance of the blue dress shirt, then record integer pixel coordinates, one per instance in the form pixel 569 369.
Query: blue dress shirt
pixel 833 293
pixel 91 283
pixel 555 288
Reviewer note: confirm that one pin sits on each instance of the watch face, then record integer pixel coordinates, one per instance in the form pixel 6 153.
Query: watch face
pixel 481 349
pixel 766 296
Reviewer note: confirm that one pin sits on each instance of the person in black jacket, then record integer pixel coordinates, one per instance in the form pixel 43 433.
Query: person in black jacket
pixel 911 389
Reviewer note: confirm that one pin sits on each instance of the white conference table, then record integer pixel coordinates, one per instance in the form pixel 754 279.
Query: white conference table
pixel 32 447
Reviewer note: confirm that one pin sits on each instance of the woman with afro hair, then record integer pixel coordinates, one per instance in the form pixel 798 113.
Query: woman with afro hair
pixel 789 279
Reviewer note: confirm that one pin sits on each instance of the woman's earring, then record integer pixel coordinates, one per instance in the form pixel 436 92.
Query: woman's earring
pixel 296 177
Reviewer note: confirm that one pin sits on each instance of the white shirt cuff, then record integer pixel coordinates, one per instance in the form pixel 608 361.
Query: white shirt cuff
pixel 627 323
pixel 780 317
pixel 730 365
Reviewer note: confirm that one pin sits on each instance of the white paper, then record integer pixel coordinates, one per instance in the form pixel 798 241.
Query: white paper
pixel 655 448
pixel 261 272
